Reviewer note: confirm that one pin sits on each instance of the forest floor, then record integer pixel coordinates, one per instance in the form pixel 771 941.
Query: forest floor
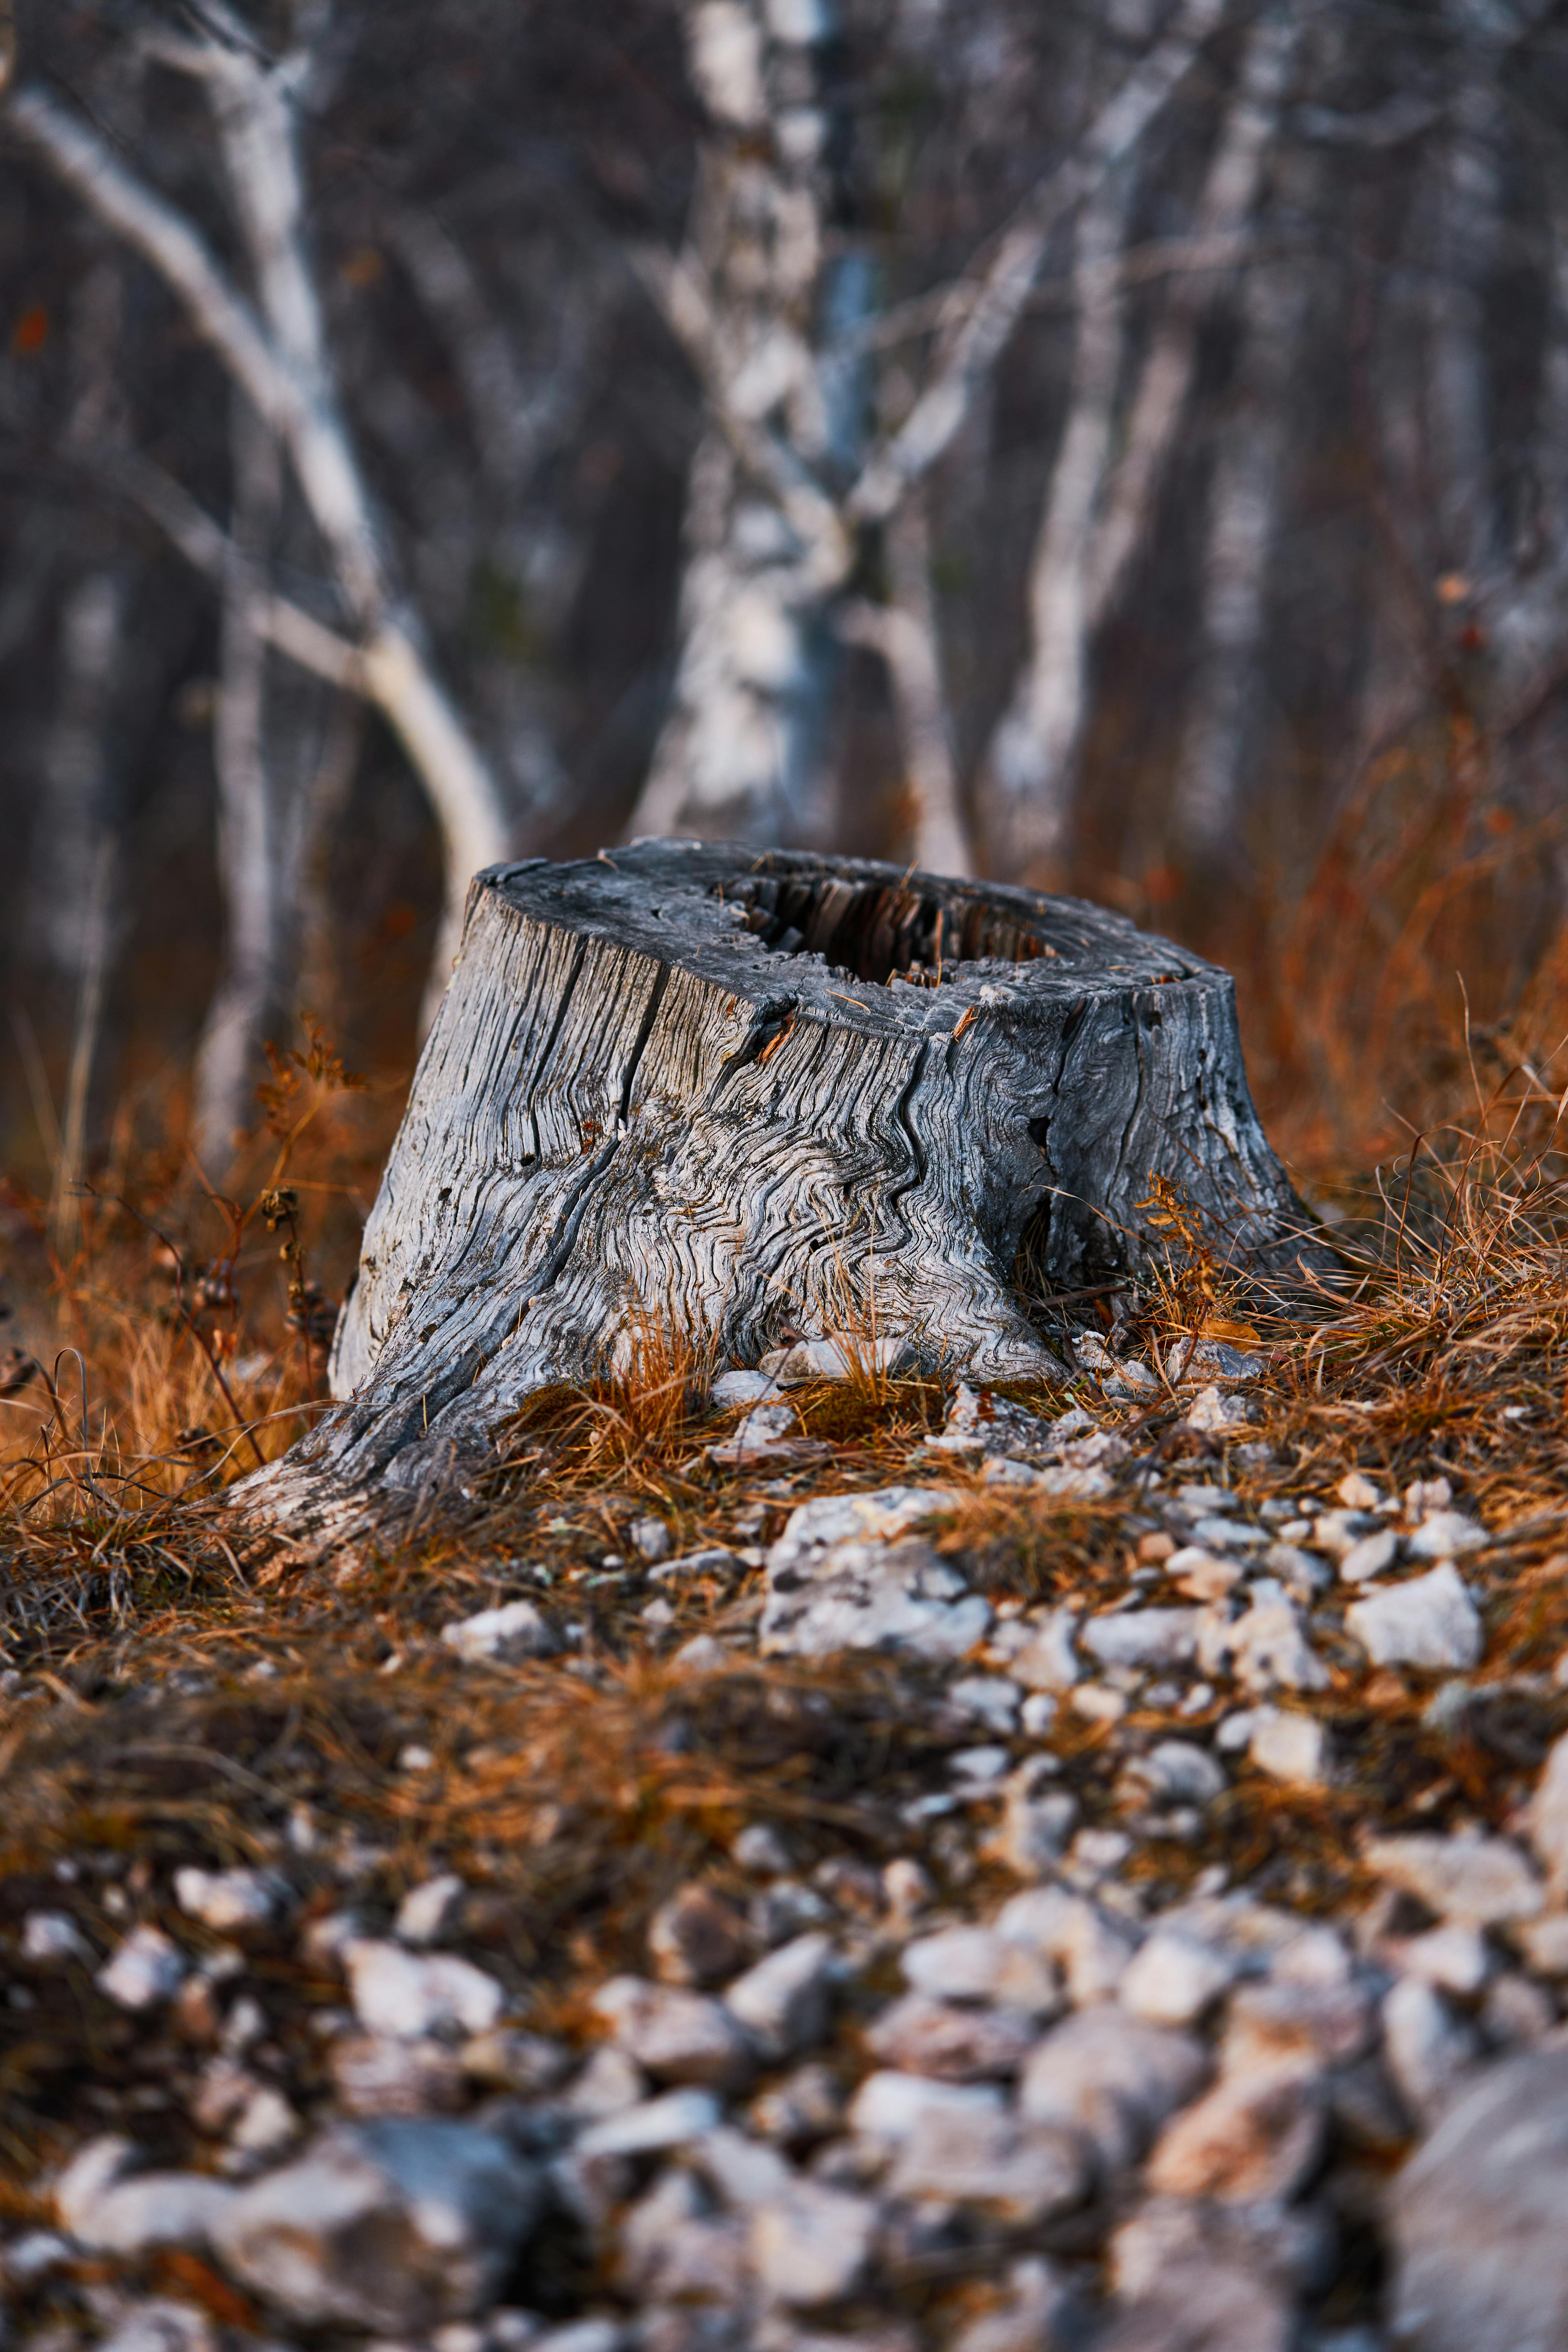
pixel 1049 1895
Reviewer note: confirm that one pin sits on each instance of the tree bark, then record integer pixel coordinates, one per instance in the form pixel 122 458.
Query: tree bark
pixel 688 1095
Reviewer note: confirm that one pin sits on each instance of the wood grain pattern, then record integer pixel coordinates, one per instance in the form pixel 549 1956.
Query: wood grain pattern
pixel 688 1087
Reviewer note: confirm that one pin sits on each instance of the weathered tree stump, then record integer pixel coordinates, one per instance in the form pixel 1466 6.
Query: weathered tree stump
pixel 688 1089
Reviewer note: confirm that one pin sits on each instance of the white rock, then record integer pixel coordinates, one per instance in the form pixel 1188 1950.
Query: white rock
pixel 1549 1817
pixel 766 1429
pixel 709 1559
pixel 1265 1648
pixel 1024 2172
pixel 674 2120
pixel 410 1994
pixel 1252 2140
pixel 649 1536
pixel 512 1632
pixel 989 1699
pixel 1091 1949
pixel 979 1423
pixel 1545 1943
pixel 111 2212
pixel 1173 1772
pixel 53 1936
pixel 1038 2306
pixel 1427 2049
pixel 143 1970
pixel 393 2226
pixel 1370 1557
pixel 1339 1532
pixel 1428 1622
pixel 783 2001
pixel 981 1964
pixel 1048 1659
pixel 1455 1959
pixel 377 2074
pixel 1445 1535
pixel 229 1899
pixel 1479 2217
pixel 1230 1535
pixel 1478 1882
pixel 812 2247
pixel 1426 1495
pixel 266 2125
pixel 732 1389
pixel 814 1528
pixel 1288 1745
pixel 425 1911
pixel 1114 2077
pixel 1217 1416
pixel 1203 1575
pixel 843 1356
pixel 1174 1979
pixel 1357 1493
pixel 866 1596
pixel 888 2105
pixel 675 2035
pixel 157 2324
pixel 918 2035
pixel 1143 1637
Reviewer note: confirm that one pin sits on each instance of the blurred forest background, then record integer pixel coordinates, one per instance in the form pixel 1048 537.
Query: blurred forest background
pixel 1122 444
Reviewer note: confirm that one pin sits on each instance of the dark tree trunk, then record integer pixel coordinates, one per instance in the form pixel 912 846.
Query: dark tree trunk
pixel 686 1089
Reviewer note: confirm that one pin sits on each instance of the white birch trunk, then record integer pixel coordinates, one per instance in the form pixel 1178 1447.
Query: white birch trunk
pixel 1244 504
pixel 739 753
pixel 1032 753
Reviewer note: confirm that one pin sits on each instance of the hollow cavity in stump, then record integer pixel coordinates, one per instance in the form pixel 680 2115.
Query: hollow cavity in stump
pixel 687 1091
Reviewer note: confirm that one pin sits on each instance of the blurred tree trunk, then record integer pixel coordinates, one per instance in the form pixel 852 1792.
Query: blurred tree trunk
pixel 741 751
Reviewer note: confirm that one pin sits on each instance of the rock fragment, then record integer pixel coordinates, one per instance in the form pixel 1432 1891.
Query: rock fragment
pixel 869 1596
pixel 393 2226
pixel 783 2001
pixel 506 1634
pixel 1476 1880
pixel 1430 1621
pixel 411 1994
pixel 1113 2077
pixel 142 1970
pixel 677 2036
pixel 229 1901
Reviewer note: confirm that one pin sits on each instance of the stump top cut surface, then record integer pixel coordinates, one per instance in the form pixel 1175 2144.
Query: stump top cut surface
pixel 870 943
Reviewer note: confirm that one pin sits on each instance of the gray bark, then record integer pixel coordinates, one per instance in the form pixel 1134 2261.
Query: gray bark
pixel 703 1092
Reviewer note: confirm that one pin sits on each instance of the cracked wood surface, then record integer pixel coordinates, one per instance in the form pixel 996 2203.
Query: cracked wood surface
pixel 684 1088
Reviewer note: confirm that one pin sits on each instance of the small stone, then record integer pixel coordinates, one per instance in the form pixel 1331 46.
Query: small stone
pixel 1232 1535
pixel 1298 2025
pixel 1455 1959
pixel 507 2059
pixel 1174 1979
pixel 1288 1745
pixel 1203 1575
pixel 1427 2049
pixel 814 1528
pixel 142 1970
pixel 1478 1882
pixel 1445 1535
pixel 1253 2137
pixel 1339 1532
pixel 1091 1949
pixel 1037 2302
pixel 1548 1817
pixel 1545 1943
pixel 409 1994
pixel 513 1632
pixel 741 1388
pixel 674 2035
pixel 1205 2277
pixel 1357 1493
pixel 888 2105
pixel 1034 1828
pixel 1219 1416
pixel 898 1597
pixel 427 1910
pixel 989 1699
pixel 982 1963
pixel 676 2120
pixel 1370 1557
pixel 760 1847
pixel 766 1429
pixel 1516 2014
pixel 921 2036
pixel 266 2125
pixel 1097 1703
pixel 110 2208
pixel 1024 2172
pixel 1173 1772
pixel 1479 2217
pixel 709 1559
pixel 808 2104
pixel 1266 1648
pixel 1047 1661
pixel 650 1539
pixel 52 1935
pixel 695 1938
pixel 1303 1573
pixel 1143 1637
pixel 1429 1622
pixel 673 2246
pixel 394 2226
pixel 783 2002
pixel 1113 2077
pixel 157 2324
pixel 813 2246
pixel 380 2074
pixel 229 1900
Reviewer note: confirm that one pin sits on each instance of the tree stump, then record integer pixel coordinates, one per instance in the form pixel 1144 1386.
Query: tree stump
pixel 688 1089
